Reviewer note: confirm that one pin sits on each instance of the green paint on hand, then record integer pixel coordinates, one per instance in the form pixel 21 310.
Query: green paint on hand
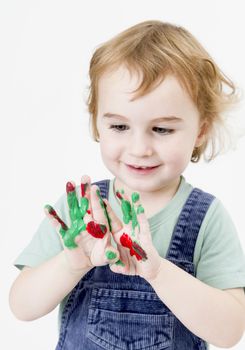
pixel 103 206
pixel 77 214
pixel 126 209
pixel 140 209
pixel 73 206
pixel 110 255
pixel 135 197
pixel 134 220
pixel 119 263
pixel 84 204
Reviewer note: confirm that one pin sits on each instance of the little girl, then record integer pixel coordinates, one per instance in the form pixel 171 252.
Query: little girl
pixel 156 101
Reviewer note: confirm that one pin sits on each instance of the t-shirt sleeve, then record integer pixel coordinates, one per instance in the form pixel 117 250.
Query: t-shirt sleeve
pixel 222 261
pixel 46 242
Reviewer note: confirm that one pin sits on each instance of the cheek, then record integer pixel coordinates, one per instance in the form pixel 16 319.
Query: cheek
pixel 109 149
pixel 177 154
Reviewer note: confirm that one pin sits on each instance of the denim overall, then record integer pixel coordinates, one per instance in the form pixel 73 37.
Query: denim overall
pixel 112 311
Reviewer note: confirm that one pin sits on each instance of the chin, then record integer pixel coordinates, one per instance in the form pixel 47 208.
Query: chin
pixel 142 186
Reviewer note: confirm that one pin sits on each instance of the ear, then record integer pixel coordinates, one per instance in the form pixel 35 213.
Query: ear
pixel 203 129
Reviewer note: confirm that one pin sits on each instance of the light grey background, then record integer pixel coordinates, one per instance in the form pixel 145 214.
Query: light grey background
pixel 45 50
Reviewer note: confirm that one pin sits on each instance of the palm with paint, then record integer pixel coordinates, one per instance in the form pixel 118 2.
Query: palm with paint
pixel 134 235
pixel 87 241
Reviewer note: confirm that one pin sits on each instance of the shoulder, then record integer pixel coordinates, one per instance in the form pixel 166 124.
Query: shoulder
pixel 220 259
pixel 218 218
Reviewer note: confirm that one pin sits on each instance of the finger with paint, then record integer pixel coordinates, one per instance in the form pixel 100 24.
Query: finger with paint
pixel 100 214
pixel 77 213
pixel 103 206
pixel 95 226
pixel 128 209
pixel 56 220
pixel 67 235
pixel 130 216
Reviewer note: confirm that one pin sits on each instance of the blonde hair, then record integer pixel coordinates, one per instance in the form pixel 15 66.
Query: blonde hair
pixel 155 49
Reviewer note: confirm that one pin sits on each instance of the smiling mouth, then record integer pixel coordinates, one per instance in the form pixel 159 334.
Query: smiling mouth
pixel 141 170
pixel 142 167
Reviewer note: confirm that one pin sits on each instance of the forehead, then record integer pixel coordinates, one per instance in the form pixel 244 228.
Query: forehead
pixel 116 92
pixel 121 79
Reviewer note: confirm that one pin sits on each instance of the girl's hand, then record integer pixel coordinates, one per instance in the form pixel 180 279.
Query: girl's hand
pixel 87 242
pixel 134 240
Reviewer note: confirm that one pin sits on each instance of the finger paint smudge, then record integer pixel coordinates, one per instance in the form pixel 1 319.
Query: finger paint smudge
pixel 133 246
pixel 110 255
pixel 96 230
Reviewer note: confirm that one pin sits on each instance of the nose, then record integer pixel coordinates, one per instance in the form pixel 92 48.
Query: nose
pixel 140 146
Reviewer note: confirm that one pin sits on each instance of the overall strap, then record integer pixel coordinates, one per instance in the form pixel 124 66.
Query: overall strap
pixel 186 231
pixel 104 187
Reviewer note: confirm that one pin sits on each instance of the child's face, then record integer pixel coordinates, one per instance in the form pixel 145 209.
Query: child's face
pixel 130 135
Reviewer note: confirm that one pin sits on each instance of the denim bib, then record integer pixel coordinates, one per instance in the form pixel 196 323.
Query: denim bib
pixel 112 311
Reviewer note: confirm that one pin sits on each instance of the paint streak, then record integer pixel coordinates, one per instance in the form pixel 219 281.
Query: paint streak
pixel 83 189
pixel 103 206
pixel 84 204
pixel 126 209
pixel 53 213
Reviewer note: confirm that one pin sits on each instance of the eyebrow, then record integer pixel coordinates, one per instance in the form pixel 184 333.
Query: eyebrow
pixel 164 119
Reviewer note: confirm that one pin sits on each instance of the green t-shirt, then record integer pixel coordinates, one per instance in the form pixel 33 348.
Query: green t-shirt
pixel 218 257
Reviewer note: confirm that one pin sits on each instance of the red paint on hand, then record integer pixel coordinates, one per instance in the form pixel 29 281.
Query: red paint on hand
pixel 89 211
pixel 70 187
pixel 53 213
pixel 134 247
pixel 83 189
pixel 126 241
pixel 96 230
pixel 118 194
pixel 139 252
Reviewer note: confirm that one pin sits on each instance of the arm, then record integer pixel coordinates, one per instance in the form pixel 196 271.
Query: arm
pixel 87 243
pixel 214 315
pixel 38 290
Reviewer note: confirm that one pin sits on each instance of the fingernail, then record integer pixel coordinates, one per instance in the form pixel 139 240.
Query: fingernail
pixel 110 255
pixel 69 187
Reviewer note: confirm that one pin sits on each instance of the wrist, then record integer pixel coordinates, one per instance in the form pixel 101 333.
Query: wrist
pixel 154 278
pixel 80 270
